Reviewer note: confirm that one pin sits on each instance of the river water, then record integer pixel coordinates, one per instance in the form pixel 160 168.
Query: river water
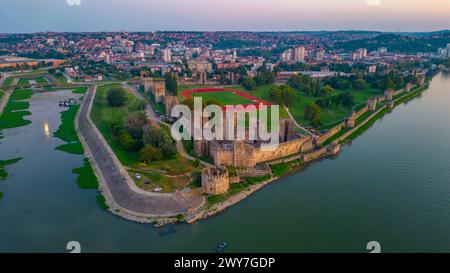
pixel 391 185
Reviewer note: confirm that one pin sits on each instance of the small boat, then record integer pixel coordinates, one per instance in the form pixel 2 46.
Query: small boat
pixel 221 247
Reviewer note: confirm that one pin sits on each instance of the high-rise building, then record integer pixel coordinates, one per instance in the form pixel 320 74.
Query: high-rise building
pixel 167 55
pixel 444 52
pixel 382 50
pixel 299 54
pixel 360 54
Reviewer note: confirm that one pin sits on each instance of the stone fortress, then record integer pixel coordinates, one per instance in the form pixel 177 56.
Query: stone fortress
pixel 157 87
pixel 249 159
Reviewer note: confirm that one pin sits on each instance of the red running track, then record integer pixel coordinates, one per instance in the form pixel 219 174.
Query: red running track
pixel 187 95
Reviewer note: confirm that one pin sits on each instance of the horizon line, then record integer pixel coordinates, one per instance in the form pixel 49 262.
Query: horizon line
pixel 213 31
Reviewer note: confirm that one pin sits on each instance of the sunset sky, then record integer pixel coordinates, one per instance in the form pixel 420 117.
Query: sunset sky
pixel 258 15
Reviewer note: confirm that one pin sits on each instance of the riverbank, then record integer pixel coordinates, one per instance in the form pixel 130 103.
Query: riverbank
pixel 342 139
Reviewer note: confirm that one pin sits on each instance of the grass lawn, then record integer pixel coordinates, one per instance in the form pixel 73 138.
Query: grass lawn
pixel 156 106
pixel 175 166
pixel 150 180
pixel 79 90
pixel 15 111
pixel 223 98
pixel 40 80
pixel 104 116
pixel 23 81
pixel 8 81
pixel 329 115
pixel 86 178
pixel 67 132
pixel 235 189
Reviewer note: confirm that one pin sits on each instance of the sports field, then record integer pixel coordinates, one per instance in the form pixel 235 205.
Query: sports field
pixel 224 97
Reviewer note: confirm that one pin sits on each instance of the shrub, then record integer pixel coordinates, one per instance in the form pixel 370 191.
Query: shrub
pixel 116 97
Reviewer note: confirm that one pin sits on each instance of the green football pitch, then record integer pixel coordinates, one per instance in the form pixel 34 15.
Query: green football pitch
pixel 223 98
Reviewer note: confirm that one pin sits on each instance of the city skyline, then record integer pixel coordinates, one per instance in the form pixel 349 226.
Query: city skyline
pixel 213 15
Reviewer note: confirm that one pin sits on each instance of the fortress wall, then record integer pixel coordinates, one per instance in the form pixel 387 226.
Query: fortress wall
pixel 322 138
pixel 308 145
pixel 315 155
pixel 398 92
pixel 221 156
pixel 381 99
pixel 344 136
pixel 159 90
pixel 361 112
pixel 284 149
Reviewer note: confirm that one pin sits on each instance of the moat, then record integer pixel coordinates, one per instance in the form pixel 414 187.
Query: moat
pixel 390 185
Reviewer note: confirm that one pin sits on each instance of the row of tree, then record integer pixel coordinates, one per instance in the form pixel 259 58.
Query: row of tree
pixel 135 135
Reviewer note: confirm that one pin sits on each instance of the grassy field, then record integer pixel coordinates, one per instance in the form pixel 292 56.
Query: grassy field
pixel 40 80
pixel 150 180
pixel 156 106
pixel 223 98
pixel 235 189
pixel 8 81
pixel 67 132
pixel 104 116
pixel 23 81
pixel 15 111
pixel 79 90
pixel 86 177
pixel 329 115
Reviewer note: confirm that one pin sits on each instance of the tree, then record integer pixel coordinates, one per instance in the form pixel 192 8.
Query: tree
pixel 312 113
pixel 322 102
pixel 288 95
pixel 326 90
pixel 335 99
pixel 359 84
pixel 171 83
pixel 134 124
pixel 150 153
pixel 160 139
pixel 154 136
pixel 249 84
pixel 275 94
pixel 116 97
pixel 265 77
pixel 283 94
pixel 127 142
pixel 347 99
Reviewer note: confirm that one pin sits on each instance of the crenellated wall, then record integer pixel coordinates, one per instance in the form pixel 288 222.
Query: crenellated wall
pixel 331 132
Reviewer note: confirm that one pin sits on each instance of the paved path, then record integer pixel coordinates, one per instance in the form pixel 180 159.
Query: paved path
pixel 148 108
pixel 182 151
pixel 296 124
pixel 116 183
pixel 5 98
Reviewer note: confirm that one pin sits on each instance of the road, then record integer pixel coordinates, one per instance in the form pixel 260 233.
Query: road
pixel 118 186
pixel 5 98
